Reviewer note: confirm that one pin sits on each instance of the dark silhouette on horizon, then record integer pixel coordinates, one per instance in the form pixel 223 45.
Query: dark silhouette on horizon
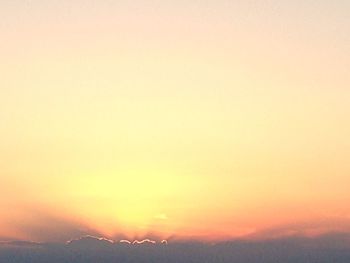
pixel 333 248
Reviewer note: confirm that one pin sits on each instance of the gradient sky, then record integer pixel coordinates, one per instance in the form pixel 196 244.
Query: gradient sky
pixel 185 119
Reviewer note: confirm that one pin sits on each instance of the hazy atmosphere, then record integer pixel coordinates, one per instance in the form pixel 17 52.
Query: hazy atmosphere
pixel 199 122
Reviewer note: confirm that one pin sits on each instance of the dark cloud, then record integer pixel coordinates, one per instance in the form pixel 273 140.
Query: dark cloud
pixel 322 249
pixel 21 243
pixel 144 241
pixel 90 242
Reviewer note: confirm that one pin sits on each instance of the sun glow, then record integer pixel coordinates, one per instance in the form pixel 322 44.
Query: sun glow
pixel 134 201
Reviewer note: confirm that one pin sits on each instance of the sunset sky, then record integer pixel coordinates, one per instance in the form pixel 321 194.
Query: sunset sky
pixel 205 120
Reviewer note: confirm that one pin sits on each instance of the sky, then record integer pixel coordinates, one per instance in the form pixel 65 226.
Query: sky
pixel 204 120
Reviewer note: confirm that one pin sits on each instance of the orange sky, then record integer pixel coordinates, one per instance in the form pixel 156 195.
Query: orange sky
pixel 195 119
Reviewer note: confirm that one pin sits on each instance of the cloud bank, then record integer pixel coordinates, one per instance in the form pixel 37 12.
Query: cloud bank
pixel 333 247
